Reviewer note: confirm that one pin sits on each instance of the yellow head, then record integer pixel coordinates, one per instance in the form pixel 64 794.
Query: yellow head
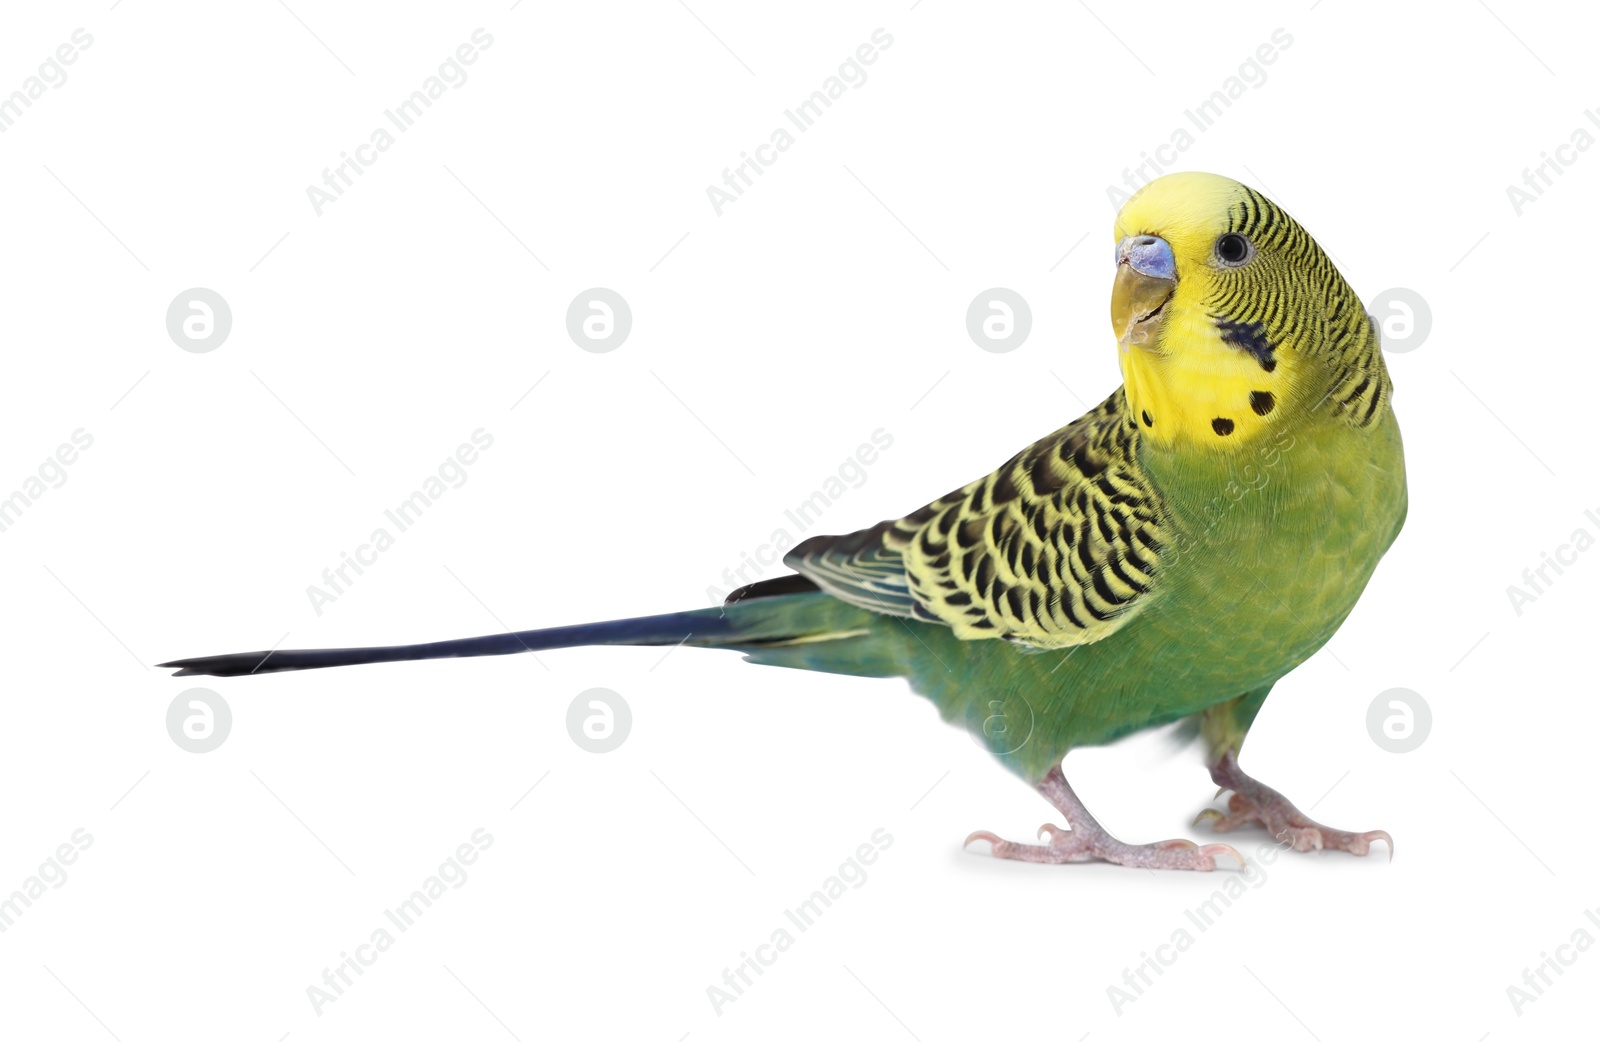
pixel 1231 319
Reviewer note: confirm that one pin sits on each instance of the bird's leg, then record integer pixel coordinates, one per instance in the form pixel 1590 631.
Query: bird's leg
pixel 1255 803
pixel 1087 841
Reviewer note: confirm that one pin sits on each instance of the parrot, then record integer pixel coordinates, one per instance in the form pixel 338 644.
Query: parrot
pixel 1165 558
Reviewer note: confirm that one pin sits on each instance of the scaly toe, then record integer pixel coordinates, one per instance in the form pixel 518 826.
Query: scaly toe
pixel 1300 839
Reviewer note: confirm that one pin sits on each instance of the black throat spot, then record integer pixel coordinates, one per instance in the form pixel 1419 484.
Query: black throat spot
pixel 1251 338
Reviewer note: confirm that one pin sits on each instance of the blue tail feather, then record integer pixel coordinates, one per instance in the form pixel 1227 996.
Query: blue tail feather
pixel 709 626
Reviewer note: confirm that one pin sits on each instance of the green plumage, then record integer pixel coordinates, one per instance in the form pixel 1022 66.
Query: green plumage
pixel 1236 612
pixel 1184 568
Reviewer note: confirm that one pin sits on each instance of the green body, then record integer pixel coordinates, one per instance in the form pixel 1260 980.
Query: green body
pixel 1276 546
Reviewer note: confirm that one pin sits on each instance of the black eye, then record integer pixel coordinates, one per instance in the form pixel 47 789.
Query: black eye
pixel 1233 249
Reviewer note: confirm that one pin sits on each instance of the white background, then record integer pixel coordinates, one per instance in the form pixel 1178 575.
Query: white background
pixel 768 342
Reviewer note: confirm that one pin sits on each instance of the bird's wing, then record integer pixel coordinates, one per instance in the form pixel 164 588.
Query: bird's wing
pixel 1058 547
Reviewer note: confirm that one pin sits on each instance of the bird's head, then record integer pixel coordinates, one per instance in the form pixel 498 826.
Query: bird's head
pixel 1230 318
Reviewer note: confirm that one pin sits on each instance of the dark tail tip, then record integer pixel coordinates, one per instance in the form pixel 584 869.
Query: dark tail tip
pixel 240 664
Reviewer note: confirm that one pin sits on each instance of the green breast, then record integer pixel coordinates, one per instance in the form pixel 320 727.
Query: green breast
pixel 1270 552
pixel 1276 548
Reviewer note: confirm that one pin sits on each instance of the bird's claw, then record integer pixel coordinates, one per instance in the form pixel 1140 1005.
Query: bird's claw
pixel 1085 840
pixel 1253 803
pixel 1364 840
pixel 1212 850
pixel 1066 845
pixel 1310 836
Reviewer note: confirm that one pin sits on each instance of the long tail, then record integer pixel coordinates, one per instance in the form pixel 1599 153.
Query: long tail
pixel 753 626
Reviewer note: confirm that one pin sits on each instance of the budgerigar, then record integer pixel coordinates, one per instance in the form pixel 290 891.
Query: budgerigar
pixel 1171 554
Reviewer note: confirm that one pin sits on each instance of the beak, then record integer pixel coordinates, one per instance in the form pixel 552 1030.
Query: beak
pixel 1146 276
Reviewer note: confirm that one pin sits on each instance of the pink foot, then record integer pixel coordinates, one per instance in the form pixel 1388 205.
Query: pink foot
pixel 1253 803
pixel 1087 841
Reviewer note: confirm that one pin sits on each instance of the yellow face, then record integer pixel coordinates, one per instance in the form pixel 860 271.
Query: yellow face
pixel 1219 302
